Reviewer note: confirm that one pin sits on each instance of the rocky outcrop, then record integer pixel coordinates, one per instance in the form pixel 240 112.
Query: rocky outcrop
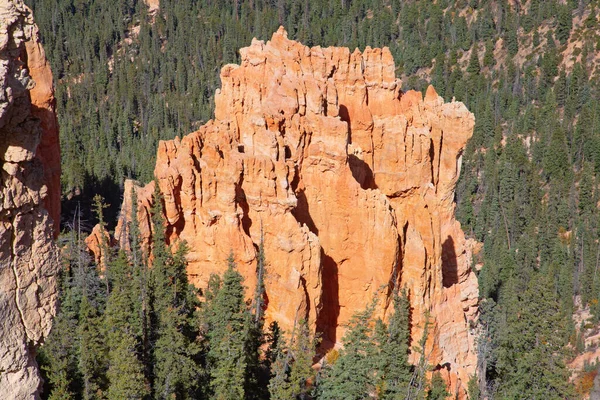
pixel 351 182
pixel 29 201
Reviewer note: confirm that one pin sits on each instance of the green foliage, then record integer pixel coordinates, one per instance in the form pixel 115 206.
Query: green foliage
pixel 474 67
pixel 528 187
pixel 91 350
pixel 437 388
pixel 175 371
pixel 353 375
pixel 473 388
pixel 136 343
pixel 227 321
pixel 258 367
pixel 73 356
pixel 395 371
pixel 57 357
pixel 292 368
pixel 125 369
pixel 374 359
pixel 532 343
pixel 564 24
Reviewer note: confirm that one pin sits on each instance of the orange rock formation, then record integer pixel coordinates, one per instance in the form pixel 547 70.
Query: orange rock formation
pixel 352 181
pixel 43 107
pixel 29 201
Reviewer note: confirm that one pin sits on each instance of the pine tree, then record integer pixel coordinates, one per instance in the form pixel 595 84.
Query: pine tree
pixel 99 206
pixel 175 371
pixel 226 319
pixel 292 369
pixel 473 388
pixel 532 352
pixel 273 340
pixel 564 24
pixel 72 356
pixel 92 357
pixel 488 58
pixel 437 388
pixel 418 380
pixel 353 374
pixel 556 159
pixel 586 191
pixel 257 370
pixel 58 355
pixel 126 371
pixel 393 341
pixel 141 290
pixel 279 384
pixel 474 67
pixel 560 88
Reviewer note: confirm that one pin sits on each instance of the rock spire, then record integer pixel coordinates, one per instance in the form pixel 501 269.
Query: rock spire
pixel 352 181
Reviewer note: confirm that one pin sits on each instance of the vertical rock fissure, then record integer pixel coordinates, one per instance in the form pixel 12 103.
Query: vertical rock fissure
pixel 439 162
pixel 13 263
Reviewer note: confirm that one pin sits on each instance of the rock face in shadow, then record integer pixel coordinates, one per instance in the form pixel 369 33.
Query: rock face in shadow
pixel 351 181
pixel 29 201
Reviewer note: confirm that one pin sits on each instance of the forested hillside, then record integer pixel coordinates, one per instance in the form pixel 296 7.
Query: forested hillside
pixel 130 331
pixel 529 187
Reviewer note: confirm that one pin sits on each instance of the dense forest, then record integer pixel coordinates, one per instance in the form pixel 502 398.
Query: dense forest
pixel 127 331
pixel 528 70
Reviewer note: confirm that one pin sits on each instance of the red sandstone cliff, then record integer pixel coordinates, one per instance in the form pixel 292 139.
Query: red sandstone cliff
pixel 352 181
pixel 29 200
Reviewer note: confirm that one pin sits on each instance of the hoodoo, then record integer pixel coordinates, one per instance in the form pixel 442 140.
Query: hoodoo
pixel 351 182
pixel 29 200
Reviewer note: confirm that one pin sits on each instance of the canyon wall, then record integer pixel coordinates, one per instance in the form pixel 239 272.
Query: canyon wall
pixel 29 200
pixel 350 180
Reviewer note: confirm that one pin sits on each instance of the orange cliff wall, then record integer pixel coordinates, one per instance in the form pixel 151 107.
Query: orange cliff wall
pixel 43 107
pixel 29 201
pixel 352 181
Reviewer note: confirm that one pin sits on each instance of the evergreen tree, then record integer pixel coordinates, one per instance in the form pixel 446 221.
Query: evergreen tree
pixel 92 357
pixel 529 173
pixel 125 370
pixel 418 380
pixel 564 24
pixel 474 67
pixel 556 159
pixel 175 370
pixel 473 388
pixel 531 354
pixel 353 374
pixel 488 58
pixel 176 373
pixel 257 372
pixel 293 366
pixel 226 319
pixel 58 355
pixel 437 388
pixel 72 356
pixel 393 340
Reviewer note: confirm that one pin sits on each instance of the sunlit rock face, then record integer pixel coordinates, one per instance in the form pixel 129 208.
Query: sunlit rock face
pixel 351 182
pixel 29 201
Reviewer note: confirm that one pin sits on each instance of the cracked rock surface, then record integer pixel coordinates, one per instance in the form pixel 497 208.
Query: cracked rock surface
pixel 29 201
pixel 350 181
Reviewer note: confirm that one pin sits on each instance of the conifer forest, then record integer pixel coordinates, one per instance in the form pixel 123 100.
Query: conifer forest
pixel 133 327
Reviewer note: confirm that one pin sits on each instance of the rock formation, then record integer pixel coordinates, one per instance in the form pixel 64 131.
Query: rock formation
pixel 351 181
pixel 29 200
